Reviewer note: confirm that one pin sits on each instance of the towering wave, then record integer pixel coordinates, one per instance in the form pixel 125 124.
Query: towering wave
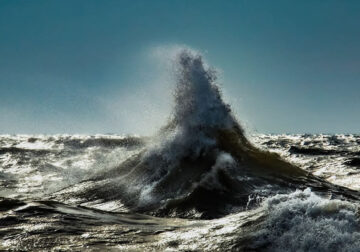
pixel 200 164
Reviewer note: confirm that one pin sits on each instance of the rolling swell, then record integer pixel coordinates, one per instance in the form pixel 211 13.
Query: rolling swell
pixel 200 164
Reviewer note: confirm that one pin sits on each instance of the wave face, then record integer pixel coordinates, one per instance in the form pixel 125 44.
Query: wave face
pixel 200 164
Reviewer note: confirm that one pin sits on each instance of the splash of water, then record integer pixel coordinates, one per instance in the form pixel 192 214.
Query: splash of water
pixel 200 161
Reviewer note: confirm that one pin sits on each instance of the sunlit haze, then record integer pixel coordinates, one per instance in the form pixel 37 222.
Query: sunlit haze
pixel 89 66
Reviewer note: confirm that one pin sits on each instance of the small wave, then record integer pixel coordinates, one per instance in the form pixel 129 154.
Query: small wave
pixel 314 151
pixel 16 150
pixel 127 142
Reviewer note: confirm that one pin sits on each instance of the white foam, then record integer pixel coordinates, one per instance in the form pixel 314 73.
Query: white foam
pixel 303 221
pixel 224 161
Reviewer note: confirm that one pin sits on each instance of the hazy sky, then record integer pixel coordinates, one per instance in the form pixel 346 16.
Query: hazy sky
pixel 87 66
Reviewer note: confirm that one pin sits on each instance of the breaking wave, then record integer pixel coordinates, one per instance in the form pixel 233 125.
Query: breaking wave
pixel 303 221
pixel 200 164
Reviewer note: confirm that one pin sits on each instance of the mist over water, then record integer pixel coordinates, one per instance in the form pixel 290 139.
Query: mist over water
pixel 198 183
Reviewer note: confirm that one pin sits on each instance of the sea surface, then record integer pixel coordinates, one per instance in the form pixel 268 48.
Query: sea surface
pixel 199 184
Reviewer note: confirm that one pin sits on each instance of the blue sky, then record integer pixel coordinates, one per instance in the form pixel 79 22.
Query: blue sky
pixel 86 66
